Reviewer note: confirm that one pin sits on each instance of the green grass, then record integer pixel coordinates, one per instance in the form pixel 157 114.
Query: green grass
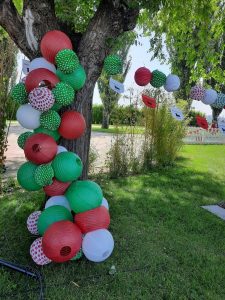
pixel 166 245
pixel 119 129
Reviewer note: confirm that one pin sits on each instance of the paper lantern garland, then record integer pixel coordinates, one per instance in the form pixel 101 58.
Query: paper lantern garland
pixel 50 120
pixel 43 175
pixel 19 93
pixel 220 101
pixel 63 93
pixel 209 97
pixel 67 61
pixel 172 83
pixel 51 167
pixel 142 76
pixel 113 65
pixel 197 93
pixel 22 138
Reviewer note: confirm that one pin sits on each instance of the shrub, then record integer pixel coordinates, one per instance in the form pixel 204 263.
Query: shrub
pixel 192 117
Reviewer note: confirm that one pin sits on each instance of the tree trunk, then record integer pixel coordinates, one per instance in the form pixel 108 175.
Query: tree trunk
pixel 105 118
pixel 110 20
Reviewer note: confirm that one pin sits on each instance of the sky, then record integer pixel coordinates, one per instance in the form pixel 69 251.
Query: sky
pixel 141 57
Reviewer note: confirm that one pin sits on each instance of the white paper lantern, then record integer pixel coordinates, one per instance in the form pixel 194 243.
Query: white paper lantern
pixel 98 245
pixel 172 83
pixel 210 96
pixel 105 203
pixel 28 117
pixel 41 62
pixel 32 222
pixel 37 253
pixel 61 149
pixel 58 200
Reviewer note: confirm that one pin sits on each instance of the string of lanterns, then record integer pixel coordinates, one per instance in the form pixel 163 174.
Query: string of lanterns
pixel 76 216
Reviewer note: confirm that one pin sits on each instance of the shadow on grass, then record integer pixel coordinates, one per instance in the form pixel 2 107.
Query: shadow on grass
pixel 166 246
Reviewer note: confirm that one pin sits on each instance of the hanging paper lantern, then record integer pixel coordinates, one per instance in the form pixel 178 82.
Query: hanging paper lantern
pixel 62 241
pixel 25 177
pixel 41 98
pixel 58 200
pixel 36 252
pixel 142 76
pixel 172 83
pixel 97 218
pixel 19 93
pixel 23 137
pixel 98 245
pixel 76 79
pixel 40 148
pixel 148 101
pixel 67 166
pixel 50 120
pixel 38 76
pixel 43 175
pixel 209 97
pixel 42 63
pixel 28 117
pixel 61 149
pixel 84 195
pixel 67 61
pixel 32 222
pixel 56 188
pixel 56 106
pixel 113 65
pixel 53 42
pixel 51 215
pixel 158 79
pixel 105 203
pixel 72 125
pixel 78 255
pixel 197 93
pixel 202 122
pixel 53 133
pixel 63 93
pixel 220 101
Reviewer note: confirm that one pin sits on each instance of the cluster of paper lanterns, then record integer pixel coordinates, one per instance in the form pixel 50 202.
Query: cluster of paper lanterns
pixel 157 79
pixel 208 96
pixel 76 217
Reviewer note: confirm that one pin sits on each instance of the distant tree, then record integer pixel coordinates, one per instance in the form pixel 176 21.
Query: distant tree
pixel 8 52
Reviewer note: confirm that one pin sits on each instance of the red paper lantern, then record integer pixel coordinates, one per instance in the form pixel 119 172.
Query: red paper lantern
pixel 142 76
pixel 148 101
pixel 56 188
pixel 35 77
pixel 53 42
pixel 40 148
pixel 62 241
pixel 72 125
pixel 90 220
pixel 202 122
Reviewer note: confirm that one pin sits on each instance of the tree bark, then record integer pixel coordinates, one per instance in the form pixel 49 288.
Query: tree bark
pixel 105 118
pixel 111 19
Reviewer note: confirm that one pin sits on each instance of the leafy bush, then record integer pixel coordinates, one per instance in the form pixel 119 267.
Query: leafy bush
pixel 192 117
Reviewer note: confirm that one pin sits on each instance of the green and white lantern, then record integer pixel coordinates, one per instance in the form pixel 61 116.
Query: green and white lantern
pixel 67 61
pixel 158 79
pixel 63 93
pixel 23 137
pixel 43 175
pixel 113 65
pixel 50 120
pixel 19 93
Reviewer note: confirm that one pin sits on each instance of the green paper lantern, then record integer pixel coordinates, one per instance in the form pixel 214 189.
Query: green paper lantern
pixel 76 79
pixel 67 166
pixel 78 255
pixel 50 120
pixel 67 61
pixel 25 177
pixel 52 133
pixel 19 93
pixel 84 195
pixel 158 79
pixel 113 65
pixel 43 175
pixel 51 215
pixel 23 137
pixel 56 106
pixel 63 93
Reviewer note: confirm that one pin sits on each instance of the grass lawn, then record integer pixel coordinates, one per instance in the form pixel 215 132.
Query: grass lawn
pixel 166 246
pixel 113 129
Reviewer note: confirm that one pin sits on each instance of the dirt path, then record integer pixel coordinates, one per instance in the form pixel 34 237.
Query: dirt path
pixel 100 142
